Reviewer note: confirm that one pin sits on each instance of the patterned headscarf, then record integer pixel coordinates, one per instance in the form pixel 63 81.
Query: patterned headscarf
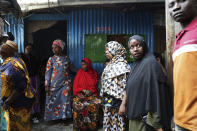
pixel 116 50
pixel 118 65
pixel 59 43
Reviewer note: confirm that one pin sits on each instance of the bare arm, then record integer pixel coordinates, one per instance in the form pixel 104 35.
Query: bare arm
pixel 122 108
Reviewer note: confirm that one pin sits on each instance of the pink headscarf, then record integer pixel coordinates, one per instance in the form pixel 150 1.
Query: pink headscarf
pixel 59 43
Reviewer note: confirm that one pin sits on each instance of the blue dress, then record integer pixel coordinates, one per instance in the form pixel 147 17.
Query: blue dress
pixel 57 78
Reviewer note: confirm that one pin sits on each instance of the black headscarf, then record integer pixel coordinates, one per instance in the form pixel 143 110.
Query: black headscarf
pixel 147 89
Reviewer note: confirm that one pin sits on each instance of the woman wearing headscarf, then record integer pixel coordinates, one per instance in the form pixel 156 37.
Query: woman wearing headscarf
pixel 113 80
pixel 85 101
pixel 16 94
pixel 148 102
pixel 58 84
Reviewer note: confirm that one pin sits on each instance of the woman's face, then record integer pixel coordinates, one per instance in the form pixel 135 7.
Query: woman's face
pixel 56 50
pixel 84 66
pixel 107 53
pixel 28 49
pixel 136 49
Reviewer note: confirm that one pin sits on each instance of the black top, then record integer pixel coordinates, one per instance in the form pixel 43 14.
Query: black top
pixel 32 64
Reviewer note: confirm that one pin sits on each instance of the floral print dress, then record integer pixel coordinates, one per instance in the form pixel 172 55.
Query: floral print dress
pixel 86 110
pixel 57 78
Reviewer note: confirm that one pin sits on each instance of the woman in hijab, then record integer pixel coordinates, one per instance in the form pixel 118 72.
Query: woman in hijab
pixel 16 95
pixel 113 80
pixel 85 102
pixel 58 84
pixel 148 102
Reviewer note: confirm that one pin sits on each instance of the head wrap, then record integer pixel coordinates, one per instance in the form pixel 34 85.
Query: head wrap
pixel 116 49
pixel 9 48
pixel 59 43
pixel 88 62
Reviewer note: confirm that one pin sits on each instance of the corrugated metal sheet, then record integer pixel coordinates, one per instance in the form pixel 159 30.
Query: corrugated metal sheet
pixel 83 22
pixel 86 22
pixel 17 29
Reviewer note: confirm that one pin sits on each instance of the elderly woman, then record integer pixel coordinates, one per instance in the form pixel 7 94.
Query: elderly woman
pixel 147 94
pixel 16 95
pixel 85 102
pixel 58 84
pixel 113 80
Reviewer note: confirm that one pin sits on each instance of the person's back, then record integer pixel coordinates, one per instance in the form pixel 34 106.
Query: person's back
pixel 185 64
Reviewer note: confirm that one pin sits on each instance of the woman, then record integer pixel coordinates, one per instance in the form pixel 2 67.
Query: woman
pixel 58 84
pixel 32 67
pixel 147 94
pixel 16 95
pixel 85 102
pixel 114 79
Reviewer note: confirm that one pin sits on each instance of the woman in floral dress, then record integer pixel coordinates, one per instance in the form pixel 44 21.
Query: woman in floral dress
pixel 85 102
pixel 58 84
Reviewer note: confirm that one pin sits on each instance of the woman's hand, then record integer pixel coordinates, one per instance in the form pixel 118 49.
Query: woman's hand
pixel 97 101
pixel 6 105
pixel 48 91
pixel 46 88
pixel 78 106
pixel 122 109
pixel 160 129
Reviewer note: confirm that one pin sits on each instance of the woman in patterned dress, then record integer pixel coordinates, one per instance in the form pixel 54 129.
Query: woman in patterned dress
pixel 16 95
pixel 114 79
pixel 85 102
pixel 58 84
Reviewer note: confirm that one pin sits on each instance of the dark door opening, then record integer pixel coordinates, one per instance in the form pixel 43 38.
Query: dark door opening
pixel 43 39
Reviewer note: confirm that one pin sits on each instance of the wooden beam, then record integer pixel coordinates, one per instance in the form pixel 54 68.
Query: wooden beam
pixel 35 5
pixel 1 26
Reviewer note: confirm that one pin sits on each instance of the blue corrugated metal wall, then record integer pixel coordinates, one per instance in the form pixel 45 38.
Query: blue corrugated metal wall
pixel 86 22
pixel 17 29
pixel 83 22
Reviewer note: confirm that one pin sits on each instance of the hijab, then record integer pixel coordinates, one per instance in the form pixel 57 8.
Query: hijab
pixel 86 80
pixel 117 65
pixel 147 89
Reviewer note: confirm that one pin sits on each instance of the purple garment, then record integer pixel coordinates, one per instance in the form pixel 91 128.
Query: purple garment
pixel 36 87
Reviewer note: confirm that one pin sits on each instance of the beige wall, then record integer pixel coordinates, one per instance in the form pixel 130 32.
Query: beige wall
pixel 34 26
